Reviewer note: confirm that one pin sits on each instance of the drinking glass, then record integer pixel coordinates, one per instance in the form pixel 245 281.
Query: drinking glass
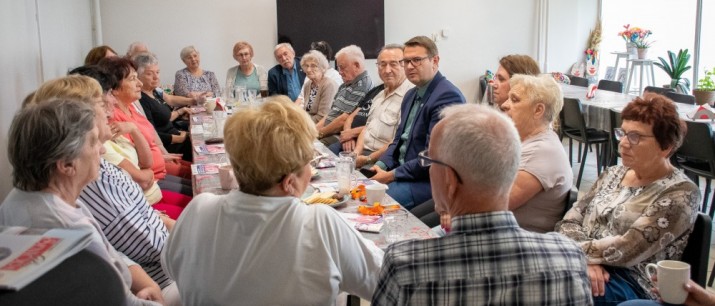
pixel 394 224
pixel 344 168
pixel 351 155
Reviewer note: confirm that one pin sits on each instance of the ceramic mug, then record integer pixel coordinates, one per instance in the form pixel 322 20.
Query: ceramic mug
pixel 672 277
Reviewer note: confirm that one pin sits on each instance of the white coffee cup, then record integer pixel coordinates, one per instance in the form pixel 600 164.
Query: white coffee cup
pixel 228 180
pixel 672 277
pixel 375 193
pixel 210 105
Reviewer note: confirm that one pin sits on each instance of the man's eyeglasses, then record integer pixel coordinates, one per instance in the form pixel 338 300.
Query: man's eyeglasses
pixel 392 64
pixel 425 161
pixel 633 137
pixel 415 61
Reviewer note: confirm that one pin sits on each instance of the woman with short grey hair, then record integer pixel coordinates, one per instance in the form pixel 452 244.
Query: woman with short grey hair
pixel 193 81
pixel 54 148
pixel 170 123
pixel 318 90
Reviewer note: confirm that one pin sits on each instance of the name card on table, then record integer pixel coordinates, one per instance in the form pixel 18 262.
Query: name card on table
pixel 702 112
pixel 362 223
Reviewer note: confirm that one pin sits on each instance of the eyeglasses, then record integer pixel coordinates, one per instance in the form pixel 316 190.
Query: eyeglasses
pixel 415 61
pixel 633 137
pixel 310 66
pixel 392 64
pixel 425 161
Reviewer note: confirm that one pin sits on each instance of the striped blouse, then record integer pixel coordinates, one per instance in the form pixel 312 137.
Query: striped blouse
pixel 130 224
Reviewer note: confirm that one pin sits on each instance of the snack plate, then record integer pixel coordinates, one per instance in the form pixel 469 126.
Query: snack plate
pixel 310 190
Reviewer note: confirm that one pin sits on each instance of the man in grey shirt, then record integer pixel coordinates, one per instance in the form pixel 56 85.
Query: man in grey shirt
pixel 356 84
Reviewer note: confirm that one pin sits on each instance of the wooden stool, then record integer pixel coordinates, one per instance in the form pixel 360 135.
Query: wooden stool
pixel 642 63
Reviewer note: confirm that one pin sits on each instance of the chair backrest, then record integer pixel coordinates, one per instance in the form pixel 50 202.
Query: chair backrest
pixel 698 143
pixel 658 90
pixel 573 116
pixel 571 198
pixel 609 85
pixel 482 87
pixel 696 252
pixel 578 81
pixel 615 123
pixel 681 98
pixel 82 279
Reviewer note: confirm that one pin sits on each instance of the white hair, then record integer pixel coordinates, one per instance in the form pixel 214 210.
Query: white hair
pixel 284 45
pixel 317 57
pixel 354 54
pixel 482 144
pixel 541 89
pixel 136 47
pixel 186 51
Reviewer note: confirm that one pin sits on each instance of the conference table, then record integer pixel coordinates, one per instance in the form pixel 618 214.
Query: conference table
pixel 596 110
pixel 204 127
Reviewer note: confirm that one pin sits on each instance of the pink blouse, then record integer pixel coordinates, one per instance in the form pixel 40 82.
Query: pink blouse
pixel 147 130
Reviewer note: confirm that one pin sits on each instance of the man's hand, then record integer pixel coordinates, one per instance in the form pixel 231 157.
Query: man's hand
pixel 698 296
pixel 382 176
pixel 349 145
pixel 599 277
pixel 360 161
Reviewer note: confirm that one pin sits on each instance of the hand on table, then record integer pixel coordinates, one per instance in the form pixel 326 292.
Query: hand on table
pixel 599 277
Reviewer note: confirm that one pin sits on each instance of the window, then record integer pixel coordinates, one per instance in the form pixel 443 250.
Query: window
pixel 673 26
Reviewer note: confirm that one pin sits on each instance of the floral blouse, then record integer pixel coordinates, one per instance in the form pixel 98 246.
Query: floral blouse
pixel 185 82
pixel 632 226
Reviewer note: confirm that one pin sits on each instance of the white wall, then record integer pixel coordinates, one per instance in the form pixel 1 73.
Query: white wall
pixel 35 52
pixel 47 37
pixel 481 31
pixel 570 23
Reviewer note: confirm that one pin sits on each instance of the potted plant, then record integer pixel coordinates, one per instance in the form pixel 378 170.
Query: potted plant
pixel 705 91
pixel 677 65
pixel 642 47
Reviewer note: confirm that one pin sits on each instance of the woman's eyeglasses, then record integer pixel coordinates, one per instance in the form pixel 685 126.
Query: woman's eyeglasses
pixel 633 137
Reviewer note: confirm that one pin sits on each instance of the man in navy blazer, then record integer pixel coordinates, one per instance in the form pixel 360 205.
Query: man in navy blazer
pixel 287 77
pixel 409 182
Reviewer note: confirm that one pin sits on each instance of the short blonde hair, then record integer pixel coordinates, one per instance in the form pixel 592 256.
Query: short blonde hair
pixel 267 143
pixel 541 89
pixel 72 87
pixel 242 45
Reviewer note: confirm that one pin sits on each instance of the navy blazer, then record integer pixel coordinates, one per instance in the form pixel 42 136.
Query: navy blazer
pixel 439 94
pixel 277 84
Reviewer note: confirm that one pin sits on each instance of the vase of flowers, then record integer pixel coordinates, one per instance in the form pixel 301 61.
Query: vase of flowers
pixel 635 39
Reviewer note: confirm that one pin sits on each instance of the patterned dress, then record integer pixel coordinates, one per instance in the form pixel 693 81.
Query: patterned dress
pixel 185 82
pixel 630 227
